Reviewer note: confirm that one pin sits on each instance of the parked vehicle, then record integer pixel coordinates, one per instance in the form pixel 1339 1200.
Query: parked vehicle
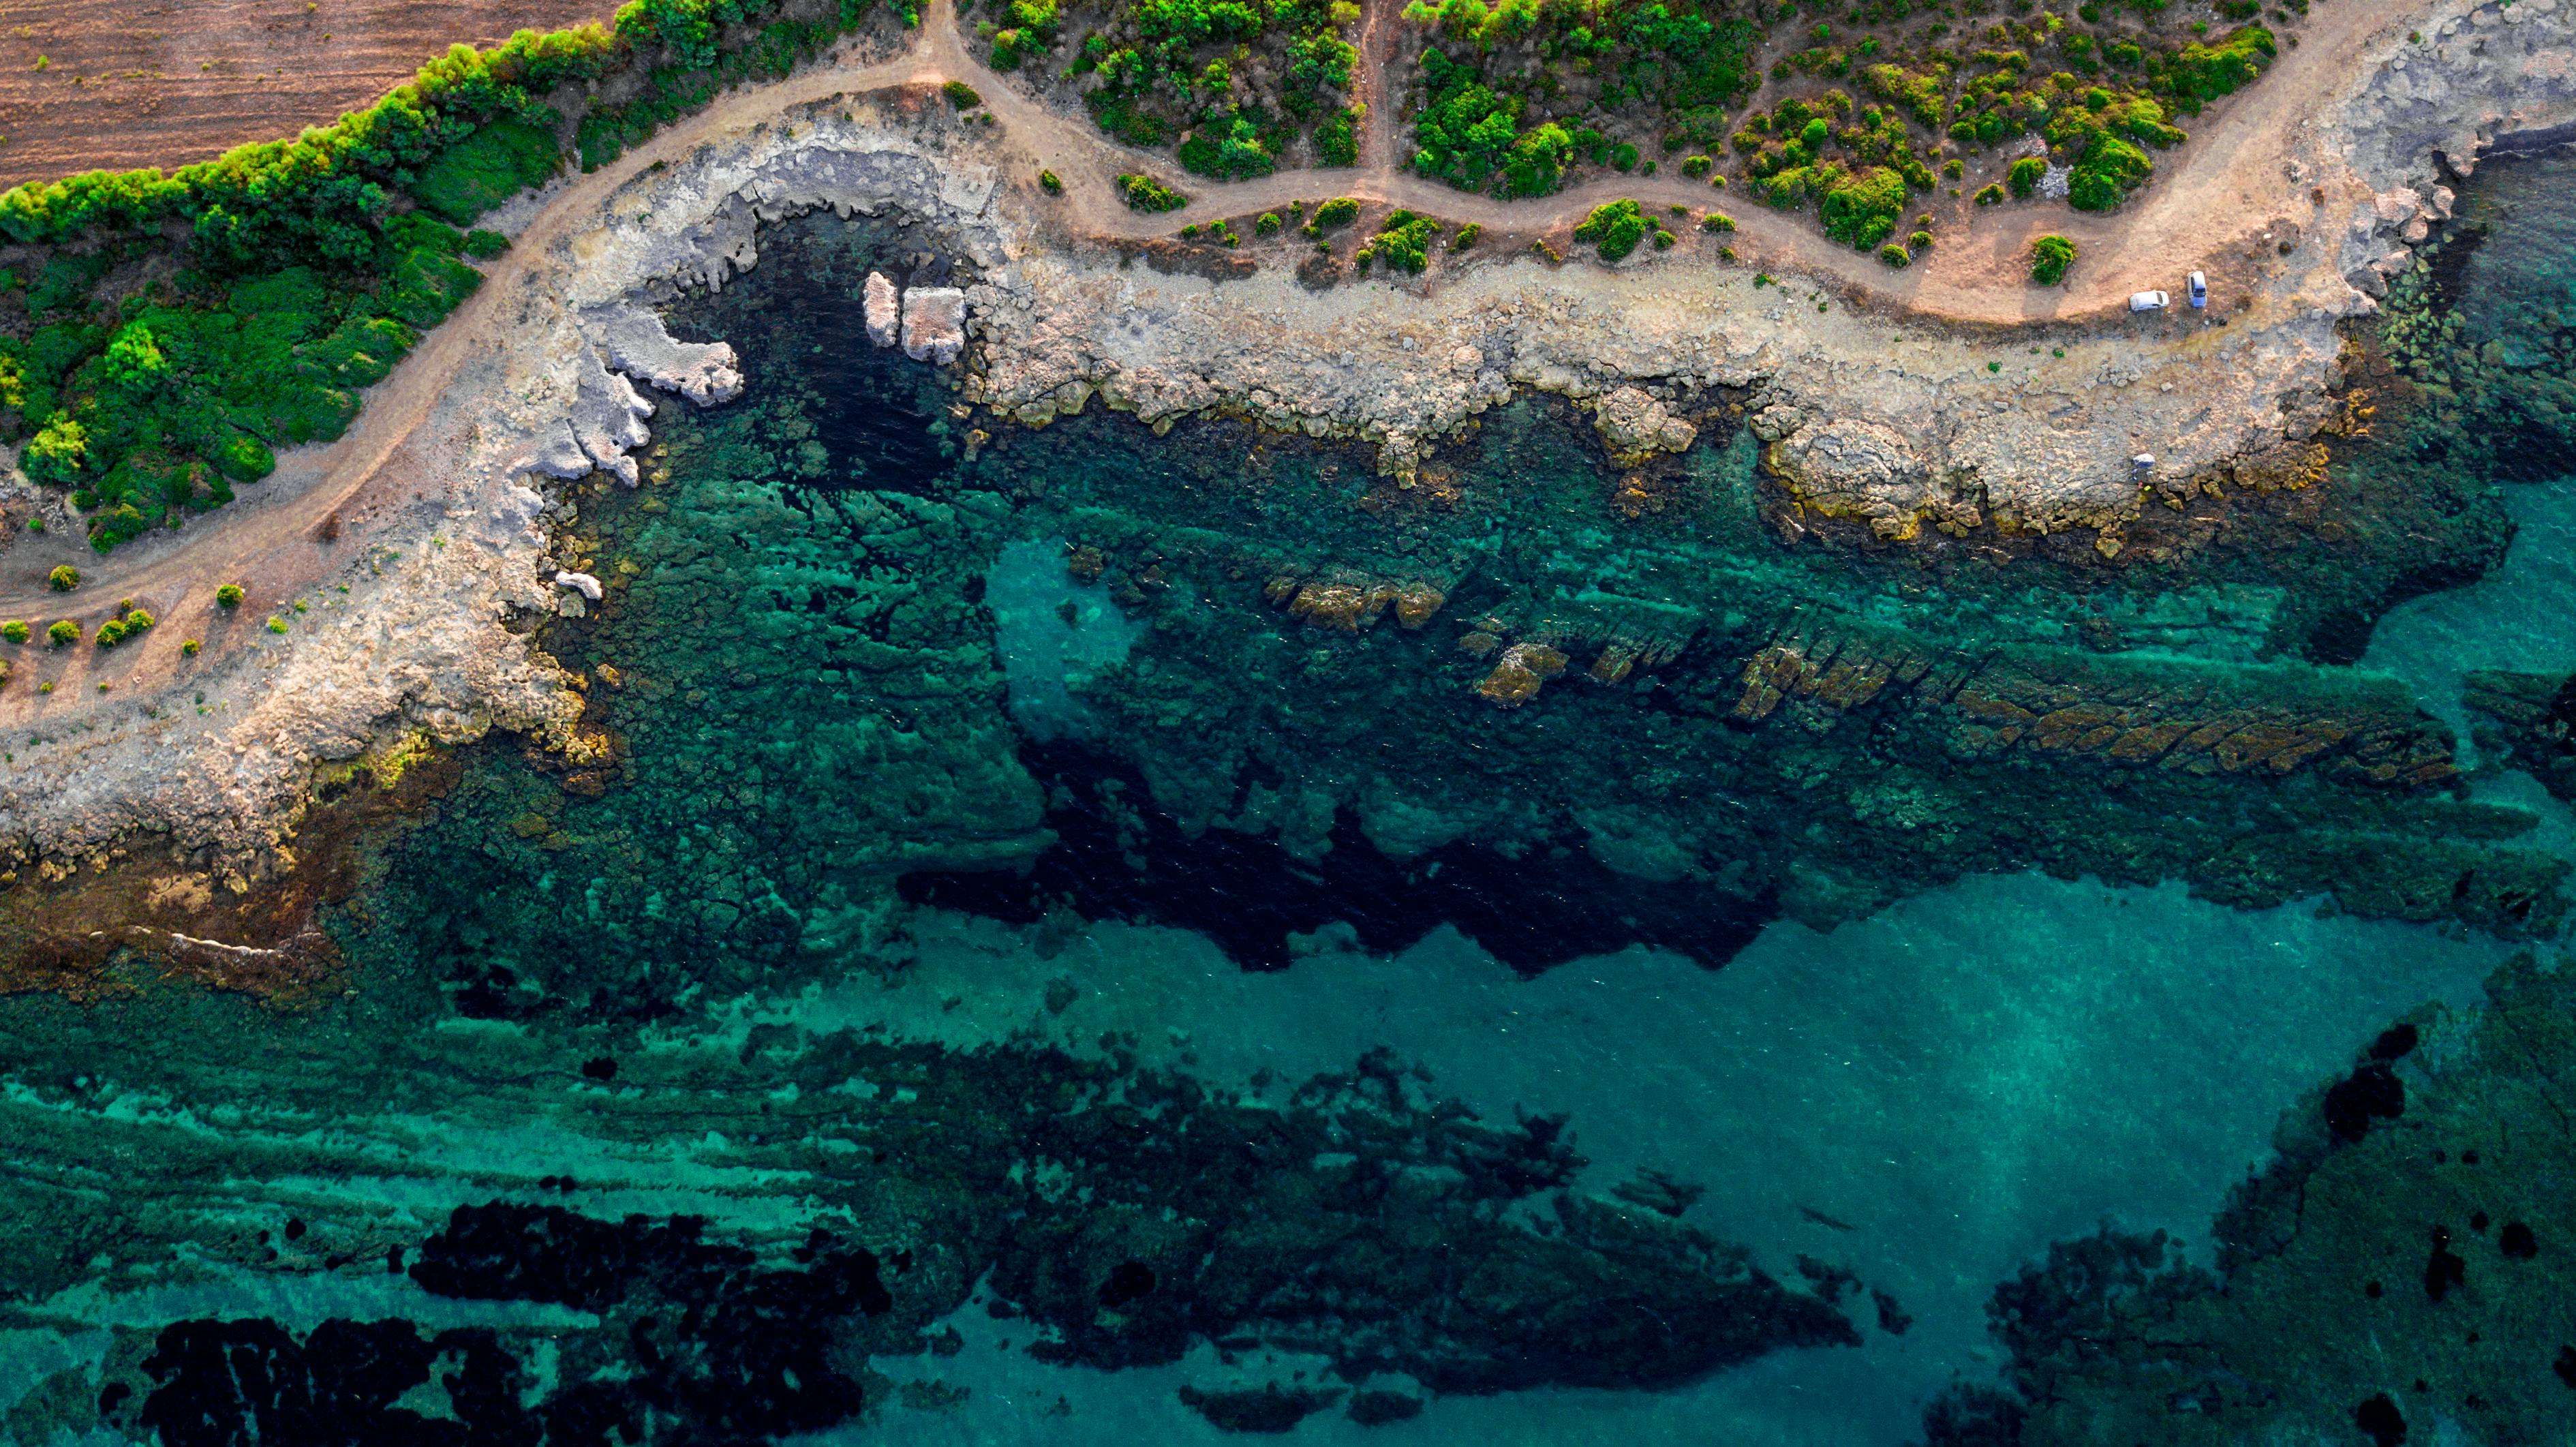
pixel 2198 287
pixel 2149 301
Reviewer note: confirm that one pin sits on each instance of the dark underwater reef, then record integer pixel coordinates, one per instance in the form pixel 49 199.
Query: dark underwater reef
pixel 1124 1214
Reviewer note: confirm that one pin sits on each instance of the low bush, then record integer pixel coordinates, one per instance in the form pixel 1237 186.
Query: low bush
pixel 110 633
pixel 1404 239
pixel 276 625
pixel 2106 173
pixel 487 168
pixel 2050 256
pixel 1340 211
pixel 2025 175
pixel 1144 193
pixel 63 634
pixel 15 630
pixel 190 647
pixel 1990 196
pixel 1266 224
pixel 484 245
pixel 1614 228
pixel 1717 221
pixel 63 578
pixel 1895 255
pixel 228 596
pixel 1466 236
pixel 1861 211
pixel 1337 140
pixel 961 95
pixel 1919 241
pixel 1048 183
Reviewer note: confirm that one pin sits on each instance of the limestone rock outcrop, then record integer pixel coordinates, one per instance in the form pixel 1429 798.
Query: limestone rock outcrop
pixel 1858 470
pixel 878 308
pixel 934 324
pixel 1635 427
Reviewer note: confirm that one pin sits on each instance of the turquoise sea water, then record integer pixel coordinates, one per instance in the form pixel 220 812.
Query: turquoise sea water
pixel 1023 980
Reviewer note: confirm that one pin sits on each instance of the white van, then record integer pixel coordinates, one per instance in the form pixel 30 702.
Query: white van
pixel 2149 301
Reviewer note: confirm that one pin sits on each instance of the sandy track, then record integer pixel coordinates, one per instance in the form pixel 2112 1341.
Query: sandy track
pixel 1378 22
pixel 268 539
pixel 166 82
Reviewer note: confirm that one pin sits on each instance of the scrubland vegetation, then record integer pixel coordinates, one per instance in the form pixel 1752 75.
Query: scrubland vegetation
pixel 1232 86
pixel 161 336
pixel 1871 104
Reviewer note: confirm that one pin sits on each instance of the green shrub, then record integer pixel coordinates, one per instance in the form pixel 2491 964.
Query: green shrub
pixel 1663 239
pixel 1919 241
pixel 1144 193
pixel 2204 73
pixel 110 633
pixel 487 168
pixel 136 620
pixel 2106 173
pixel 228 596
pixel 961 95
pixel 1862 211
pixel 63 578
pixel 484 245
pixel 1232 149
pixel 1337 140
pixel 1717 221
pixel 2050 256
pixel 2024 177
pixel 1466 236
pixel 1266 224
pixel 1990 196
pixel 1340 211
pixel 1048 183
pixel 276 625
pixel 1614 228
pixel 15 630
pixel 63 634
pixel 1404 239
pixel 1696 166
pixel 1895 255
pixel 190 647
pixel 1623 157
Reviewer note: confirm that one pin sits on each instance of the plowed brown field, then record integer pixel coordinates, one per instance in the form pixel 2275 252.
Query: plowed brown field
pixel 131 83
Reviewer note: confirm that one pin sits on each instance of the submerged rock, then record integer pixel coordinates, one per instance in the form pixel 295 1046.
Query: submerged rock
pixel 1519 672
pixel 1267 1409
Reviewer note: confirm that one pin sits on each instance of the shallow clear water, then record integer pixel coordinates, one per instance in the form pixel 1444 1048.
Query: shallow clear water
pixel 1029 974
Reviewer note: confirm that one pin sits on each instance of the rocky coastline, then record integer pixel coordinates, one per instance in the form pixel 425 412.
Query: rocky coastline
pixel 1906 429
